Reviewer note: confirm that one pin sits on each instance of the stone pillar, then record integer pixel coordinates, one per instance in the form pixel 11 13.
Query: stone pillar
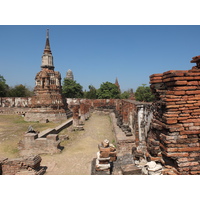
pixel 76 115
pixel 83 113
pixel 29 140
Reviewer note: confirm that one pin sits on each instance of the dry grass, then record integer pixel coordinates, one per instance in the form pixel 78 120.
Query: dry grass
pixel 12 128
pixel 78 151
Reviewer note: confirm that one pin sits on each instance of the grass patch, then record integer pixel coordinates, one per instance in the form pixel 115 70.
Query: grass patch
pixel 12 129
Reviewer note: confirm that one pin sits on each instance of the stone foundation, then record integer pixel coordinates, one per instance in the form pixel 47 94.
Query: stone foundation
pixel 46 141
pixel 22 166
pixel 44 117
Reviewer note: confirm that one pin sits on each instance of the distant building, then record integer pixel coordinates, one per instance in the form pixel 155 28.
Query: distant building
pixel 70 75
pixel 117 84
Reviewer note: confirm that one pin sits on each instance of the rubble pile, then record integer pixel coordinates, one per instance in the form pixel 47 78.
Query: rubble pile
pixel 105 156
pixel 152 168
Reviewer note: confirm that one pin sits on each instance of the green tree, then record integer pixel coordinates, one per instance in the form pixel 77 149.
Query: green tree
pixel 92 93
pixel 143 93
pixel 126 94
pixel 71 89
pixel 3 87
pixel 19 91
pixel 108 90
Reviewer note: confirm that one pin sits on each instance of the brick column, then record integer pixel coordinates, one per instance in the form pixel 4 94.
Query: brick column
pixel 176 124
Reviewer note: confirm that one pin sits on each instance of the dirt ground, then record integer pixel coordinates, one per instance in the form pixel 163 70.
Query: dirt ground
pixel 81 148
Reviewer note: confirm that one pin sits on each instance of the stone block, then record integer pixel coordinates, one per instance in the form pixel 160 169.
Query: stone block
pixel 130 169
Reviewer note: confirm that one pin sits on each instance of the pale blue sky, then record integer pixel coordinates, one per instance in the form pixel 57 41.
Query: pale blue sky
pixel 98 54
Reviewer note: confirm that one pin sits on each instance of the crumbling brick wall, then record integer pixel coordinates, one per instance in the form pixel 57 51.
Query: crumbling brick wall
pixel 174 135
pixel 132 117
pixel 22 166
pixel 14 105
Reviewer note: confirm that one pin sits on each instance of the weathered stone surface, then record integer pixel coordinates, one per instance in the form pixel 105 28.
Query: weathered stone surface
pixel 130 169
pixel 178 107
pixel 22 166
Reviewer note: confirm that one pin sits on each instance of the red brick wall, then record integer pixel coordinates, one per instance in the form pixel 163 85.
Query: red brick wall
pixel 176 124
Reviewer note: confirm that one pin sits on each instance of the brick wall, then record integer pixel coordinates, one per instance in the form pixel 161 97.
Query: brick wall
pixel 22 166
pixel 174 136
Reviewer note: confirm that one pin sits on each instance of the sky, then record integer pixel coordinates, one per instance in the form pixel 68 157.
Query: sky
pixel 98 53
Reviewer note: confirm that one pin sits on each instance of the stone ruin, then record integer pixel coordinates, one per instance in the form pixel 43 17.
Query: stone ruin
pixel 47 141
pixel 81 109
pixel 48 103
pixel 105 157
pixel 164 132
pixel 174 136
pixel 22 166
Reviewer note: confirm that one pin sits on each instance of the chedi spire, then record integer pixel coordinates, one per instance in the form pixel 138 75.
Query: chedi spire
pixel 47 58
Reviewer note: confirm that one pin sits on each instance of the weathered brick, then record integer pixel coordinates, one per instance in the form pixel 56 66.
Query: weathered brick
pixel 179 92
pixel 189 132
pixel 186 88
pixel 185 164
pixel 185 159
pixel 193 92
pixel 171 121
pixel 187 149
pixel 176 154
pixel 182 118
pixel 193 83
pixel 181 83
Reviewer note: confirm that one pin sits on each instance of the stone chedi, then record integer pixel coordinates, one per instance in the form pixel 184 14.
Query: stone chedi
pixel 47 104
pixel 69 75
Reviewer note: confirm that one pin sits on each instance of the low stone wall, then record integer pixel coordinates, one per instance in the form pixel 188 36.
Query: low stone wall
pixel 124 143
pixel 46 141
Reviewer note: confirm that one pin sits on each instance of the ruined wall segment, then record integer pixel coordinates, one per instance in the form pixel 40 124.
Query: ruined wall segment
pixel 174 136
pixel 14 105
pixel 29 165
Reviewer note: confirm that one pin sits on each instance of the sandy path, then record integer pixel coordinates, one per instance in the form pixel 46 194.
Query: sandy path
pixel 77 155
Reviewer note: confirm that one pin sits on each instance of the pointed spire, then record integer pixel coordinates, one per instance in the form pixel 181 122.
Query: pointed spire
pixel 47 57
pixel 47 45
pixel 117 84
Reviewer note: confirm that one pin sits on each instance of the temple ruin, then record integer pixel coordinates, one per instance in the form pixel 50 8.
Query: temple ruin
pixel 47 104
pixel 152 138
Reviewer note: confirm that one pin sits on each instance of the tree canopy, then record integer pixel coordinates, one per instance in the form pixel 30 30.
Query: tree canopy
pixel 3 87
pixel 19 91
pixel 143 93
pixel 72 89
pixel 108 90
pixel 92 93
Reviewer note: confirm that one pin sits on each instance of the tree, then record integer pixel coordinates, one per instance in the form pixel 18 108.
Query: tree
pixel 19 91
pixel 92 93
pixel 126 94
pixel 71 89
pixel 3 87
pixel 143 93
pixel 108 90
